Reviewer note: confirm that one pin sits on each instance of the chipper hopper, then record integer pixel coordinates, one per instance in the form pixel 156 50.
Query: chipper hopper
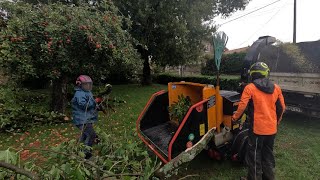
pixel 206 125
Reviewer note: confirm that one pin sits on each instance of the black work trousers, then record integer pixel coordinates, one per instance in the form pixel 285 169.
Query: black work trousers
pixel 260 158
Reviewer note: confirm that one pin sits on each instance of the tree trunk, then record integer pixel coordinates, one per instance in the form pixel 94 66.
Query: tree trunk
pixel 146 76
pixel 59 95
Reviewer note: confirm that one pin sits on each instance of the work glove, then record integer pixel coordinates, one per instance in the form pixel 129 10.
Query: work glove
pixel 99 105
pixel 98 100
pixel 234 121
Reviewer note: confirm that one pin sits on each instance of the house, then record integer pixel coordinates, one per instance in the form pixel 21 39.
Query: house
pixel 239 50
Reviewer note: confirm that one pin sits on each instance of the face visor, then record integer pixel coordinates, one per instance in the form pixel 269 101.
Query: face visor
pixel 87 86
pixel 85 82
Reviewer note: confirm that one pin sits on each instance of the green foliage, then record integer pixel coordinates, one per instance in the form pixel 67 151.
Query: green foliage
pixel 119 142
pixel 8 157
pixel 66 40
pixel 60 41
pixel 178 110
pixel 71 2
pixel 292 58
pixel 172 32
pixel 115 159
pixel 297 154
pixel 225 83
pixel 298 58
pixel 230 64
pixel 20 109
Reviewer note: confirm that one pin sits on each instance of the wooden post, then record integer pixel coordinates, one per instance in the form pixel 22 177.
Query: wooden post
pixel 295 21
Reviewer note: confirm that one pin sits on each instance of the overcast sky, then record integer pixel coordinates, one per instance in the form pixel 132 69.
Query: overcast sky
pixel 275 20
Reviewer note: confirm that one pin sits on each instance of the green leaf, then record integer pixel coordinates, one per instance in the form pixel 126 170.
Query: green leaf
pixel 81 154
pixel 3 174
pixel 79 174
pixel 126 178
pixel 107 163
pixel 4 52
pixel 8 156
pixel 86 171
pixel 54 172
pixel 66 168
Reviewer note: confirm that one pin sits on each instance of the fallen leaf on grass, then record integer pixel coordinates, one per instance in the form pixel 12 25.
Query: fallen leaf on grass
pixel 24 154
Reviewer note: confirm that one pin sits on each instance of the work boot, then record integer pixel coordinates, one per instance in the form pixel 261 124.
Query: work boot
pixel 88 155
pixel 96 140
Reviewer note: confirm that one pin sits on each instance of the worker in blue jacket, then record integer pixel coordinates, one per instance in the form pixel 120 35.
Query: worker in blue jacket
pixel 84 111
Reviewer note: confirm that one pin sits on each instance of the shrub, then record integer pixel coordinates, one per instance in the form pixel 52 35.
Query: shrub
pixel 21 108
pixel 226 84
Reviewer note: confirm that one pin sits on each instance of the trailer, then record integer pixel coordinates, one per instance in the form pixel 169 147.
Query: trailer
pixel 301 91
pixel 294 67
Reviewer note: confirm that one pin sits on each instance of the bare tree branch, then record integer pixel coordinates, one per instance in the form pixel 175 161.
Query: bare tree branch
pixel 18 170
pixel 188 176
pixel 124 174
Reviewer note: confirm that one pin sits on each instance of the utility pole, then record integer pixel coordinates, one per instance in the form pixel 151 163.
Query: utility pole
pixel 295 21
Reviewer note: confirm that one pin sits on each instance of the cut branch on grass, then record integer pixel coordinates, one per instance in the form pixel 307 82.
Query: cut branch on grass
pixel 18 170
pixel 124 174
pixel 73 156
pixel 157 168
pixel 90 163
pixel 188 176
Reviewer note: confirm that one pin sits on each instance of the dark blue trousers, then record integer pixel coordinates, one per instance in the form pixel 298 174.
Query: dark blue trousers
pixel 88 135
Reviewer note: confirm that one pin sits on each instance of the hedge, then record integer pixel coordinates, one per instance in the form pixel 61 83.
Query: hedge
pixel 230 64
pixel 225 84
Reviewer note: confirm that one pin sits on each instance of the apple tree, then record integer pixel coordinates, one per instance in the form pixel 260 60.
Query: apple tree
pixel 59 42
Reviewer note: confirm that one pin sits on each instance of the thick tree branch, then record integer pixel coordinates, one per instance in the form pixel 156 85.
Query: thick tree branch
pixel 18 170
pixel 124 174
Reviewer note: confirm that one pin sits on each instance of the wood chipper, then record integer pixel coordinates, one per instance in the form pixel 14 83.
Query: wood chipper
pixel 206 125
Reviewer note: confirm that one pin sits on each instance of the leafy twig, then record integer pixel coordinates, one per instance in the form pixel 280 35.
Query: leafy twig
pixel 114 164
pixel 72 156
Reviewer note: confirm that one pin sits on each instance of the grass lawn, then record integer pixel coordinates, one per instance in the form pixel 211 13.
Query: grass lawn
pixel 297 147
pixel 297 153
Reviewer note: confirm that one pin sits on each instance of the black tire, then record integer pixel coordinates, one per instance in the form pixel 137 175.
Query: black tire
pixel 239 145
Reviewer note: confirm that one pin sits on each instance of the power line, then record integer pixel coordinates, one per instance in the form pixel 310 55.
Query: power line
pixel 264 24
pixel 262 13
pixel 249 13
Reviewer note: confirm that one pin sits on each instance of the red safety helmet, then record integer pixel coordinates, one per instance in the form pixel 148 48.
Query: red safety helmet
pixel 85 82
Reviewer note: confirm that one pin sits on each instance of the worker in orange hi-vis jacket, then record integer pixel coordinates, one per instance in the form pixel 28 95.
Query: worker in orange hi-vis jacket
pixel 265 104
